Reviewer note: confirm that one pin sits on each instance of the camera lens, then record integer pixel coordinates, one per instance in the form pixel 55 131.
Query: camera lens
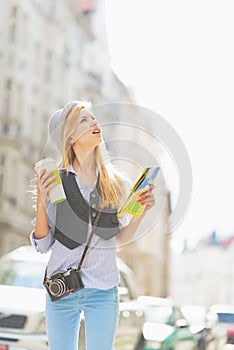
pixel 57 287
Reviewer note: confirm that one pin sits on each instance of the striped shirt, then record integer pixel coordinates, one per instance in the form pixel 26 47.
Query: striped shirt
pixel 99 269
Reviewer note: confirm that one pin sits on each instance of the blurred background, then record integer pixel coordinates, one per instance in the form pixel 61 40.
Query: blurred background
pixel 174 58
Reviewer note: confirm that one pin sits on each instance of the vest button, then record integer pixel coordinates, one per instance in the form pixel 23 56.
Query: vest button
pixel 93 195
pixel 94 214
pixel 93 205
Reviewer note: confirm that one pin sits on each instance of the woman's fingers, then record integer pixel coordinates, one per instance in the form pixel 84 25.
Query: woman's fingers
pixel 48 181
pixel 44 176
pixel 147 198
pixel 45 182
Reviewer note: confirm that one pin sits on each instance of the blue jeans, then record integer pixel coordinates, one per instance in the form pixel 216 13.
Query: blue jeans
pixel 101 317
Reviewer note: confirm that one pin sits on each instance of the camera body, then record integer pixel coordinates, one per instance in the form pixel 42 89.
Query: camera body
pixel 61 284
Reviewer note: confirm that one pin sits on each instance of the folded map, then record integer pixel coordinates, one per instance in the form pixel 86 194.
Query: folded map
pixel 131 205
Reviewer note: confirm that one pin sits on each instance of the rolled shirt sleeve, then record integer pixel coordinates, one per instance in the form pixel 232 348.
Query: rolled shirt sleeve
pixel 124 220
pixel 44 244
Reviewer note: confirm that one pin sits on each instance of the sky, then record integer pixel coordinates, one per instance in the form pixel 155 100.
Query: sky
pixel 178 59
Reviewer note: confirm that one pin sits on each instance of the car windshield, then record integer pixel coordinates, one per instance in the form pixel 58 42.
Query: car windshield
pixel 194 314
pixel 160 314
pixel 22 273
pixel 226 317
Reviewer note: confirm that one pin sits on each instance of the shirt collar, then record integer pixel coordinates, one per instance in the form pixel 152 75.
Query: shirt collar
pixel 71 169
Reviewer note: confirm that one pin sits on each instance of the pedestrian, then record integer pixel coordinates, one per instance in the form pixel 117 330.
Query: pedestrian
pixel 94 191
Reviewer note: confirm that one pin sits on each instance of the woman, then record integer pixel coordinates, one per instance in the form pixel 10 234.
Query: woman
pixel 94 187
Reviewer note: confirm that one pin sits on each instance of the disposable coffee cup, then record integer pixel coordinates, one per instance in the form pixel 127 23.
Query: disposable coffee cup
pixel 56 194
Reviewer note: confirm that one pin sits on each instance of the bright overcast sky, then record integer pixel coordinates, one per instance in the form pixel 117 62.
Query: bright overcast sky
pixel 178 57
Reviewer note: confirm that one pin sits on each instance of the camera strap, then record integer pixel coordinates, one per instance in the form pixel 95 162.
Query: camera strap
pixel 94 226
pixel 89 240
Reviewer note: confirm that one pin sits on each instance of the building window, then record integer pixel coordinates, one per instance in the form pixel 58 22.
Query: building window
pixel 37 57
pixel 6 128
pixel 48 66
pixel 44 126
pixel 52 9
pixel 19 101
pixel 14 184
pixel 12 27
pixel 2 165
pixel 25 30
pixel 7 98
pixel 33 120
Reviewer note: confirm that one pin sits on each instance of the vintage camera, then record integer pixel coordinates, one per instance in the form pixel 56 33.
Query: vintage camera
pixel 63 283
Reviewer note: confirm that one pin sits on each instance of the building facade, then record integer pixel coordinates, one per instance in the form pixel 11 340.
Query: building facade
pixel 205 275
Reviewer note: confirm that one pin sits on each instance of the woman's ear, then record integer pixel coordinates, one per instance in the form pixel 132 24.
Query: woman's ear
pixel 70 141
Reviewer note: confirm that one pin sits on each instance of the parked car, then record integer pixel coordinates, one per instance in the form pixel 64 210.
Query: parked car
pixel 204 325
pixel 22 304
pixel 225 315
pixel 166 327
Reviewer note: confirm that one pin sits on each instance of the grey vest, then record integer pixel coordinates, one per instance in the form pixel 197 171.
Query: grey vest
pixel 72 215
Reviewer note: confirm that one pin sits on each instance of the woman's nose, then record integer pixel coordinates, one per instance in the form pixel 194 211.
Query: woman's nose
pixel 94 123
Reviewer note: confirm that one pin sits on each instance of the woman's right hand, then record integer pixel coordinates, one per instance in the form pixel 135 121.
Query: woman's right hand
pixel 44 186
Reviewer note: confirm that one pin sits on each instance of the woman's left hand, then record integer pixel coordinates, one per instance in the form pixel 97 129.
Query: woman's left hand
pixel 147 198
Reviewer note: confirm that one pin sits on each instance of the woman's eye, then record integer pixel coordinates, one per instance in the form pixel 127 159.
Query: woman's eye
pixel 83 120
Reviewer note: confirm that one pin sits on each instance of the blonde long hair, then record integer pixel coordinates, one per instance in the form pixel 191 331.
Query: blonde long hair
pixel 111 183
